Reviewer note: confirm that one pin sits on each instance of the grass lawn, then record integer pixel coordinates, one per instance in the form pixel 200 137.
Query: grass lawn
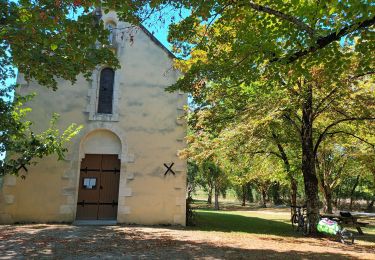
pixel 243 221
pixel 264 222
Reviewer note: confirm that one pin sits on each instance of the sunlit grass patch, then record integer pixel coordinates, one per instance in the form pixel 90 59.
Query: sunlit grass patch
pixel 262 222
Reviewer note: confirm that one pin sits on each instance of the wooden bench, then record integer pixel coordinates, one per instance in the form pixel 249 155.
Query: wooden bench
pixel 347 220
pixel 353 222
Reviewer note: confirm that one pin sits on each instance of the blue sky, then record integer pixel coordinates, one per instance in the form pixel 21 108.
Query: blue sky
pixel 161 33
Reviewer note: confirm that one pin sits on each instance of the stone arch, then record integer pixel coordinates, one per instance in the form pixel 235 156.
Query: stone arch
pixel 101 141
pixel 108 131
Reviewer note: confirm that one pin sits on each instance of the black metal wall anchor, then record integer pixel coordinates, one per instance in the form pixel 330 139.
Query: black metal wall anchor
pixel 169 169
pixel 85 170
pixel 114 170
pixel 81 203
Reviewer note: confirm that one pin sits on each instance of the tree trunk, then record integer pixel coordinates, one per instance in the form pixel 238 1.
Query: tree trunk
pixel 352 192
pixel 336 200
pixel 328 200
pixel 264 198
pixel 217 198
pixel 244 195
pixel 249 193
pixel 293 194
pixel 370 206
pixel 308 161
pixel 276 193
pixel 209 199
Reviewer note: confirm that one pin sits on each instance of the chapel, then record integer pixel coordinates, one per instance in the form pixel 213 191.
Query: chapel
pixel 123 167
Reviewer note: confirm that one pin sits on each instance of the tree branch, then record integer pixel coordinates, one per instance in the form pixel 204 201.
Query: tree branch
pixel 283 155
pixel 242 59
pixel 362 75
pixel 353 135
pixel 341 112
pixel 337 178
pixel 324 133
pixel 293 123
pixel 299 23
pixel 328 39
pixel 318 111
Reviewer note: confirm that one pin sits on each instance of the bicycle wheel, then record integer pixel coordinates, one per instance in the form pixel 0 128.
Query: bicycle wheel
pixel 301 223
pixel 346 237
pixel 294 221
pixel 306 226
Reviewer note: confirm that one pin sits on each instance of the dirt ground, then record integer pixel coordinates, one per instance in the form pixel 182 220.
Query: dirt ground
pixel 136 242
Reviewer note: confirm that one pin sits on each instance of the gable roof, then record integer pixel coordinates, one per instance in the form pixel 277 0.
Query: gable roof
pixel 157 42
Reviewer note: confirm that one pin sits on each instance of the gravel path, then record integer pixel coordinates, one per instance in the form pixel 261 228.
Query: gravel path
pixel 135 242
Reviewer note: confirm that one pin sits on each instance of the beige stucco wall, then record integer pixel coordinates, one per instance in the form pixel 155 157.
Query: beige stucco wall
pixel 145 131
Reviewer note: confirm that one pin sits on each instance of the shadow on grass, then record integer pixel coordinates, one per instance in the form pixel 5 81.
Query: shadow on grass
pixel 368 235
pixel 209 220
pixel 224 221
pixel 116 242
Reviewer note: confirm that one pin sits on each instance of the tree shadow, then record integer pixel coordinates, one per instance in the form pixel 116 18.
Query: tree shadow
pixel 368 235
pixel 82 242
pixel 229 222
pixel 222 221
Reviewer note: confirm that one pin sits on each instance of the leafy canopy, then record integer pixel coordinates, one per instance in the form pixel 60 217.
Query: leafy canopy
pixel 46 40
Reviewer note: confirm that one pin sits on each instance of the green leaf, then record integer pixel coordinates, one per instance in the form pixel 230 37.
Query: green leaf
pixel 53 46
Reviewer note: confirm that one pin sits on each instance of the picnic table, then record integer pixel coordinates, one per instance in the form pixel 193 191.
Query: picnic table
pixel 351 219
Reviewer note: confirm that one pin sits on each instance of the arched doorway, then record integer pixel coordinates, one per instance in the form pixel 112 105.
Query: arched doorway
pixel 99 177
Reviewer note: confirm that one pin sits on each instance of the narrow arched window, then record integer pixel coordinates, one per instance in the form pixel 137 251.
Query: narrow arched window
pixel 107 77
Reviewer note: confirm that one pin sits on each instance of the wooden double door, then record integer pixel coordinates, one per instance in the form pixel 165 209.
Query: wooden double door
pixel 98 187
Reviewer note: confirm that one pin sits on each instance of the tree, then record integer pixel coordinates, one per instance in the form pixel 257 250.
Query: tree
pixel 242 47
pixel 240 180
pixel 21 144
pixel 336 161
pixel 282 45
pixel 243 192
pixel 369 163
pixel 45 40
pixel 363 174
pixel 217 177
pixel 192 180
pixel 272 120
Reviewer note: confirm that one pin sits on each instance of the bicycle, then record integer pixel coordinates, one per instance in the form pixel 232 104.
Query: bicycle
pixel 300 222
pixel 346 237
pixel 299 219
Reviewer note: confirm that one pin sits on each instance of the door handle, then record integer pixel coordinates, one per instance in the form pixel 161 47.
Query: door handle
pixel 101 187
